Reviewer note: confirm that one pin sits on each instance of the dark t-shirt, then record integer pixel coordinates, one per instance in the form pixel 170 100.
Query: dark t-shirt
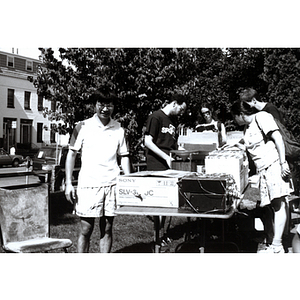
pixel 161 128
pixel 274 111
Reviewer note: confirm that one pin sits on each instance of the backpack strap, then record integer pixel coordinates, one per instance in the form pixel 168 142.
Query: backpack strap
pixel 263 134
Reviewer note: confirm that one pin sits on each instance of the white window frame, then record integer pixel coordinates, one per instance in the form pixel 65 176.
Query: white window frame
pixel 27 105
pixel 29 63
pixel 10 59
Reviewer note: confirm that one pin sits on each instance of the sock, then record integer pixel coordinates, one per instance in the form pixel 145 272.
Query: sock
pixel 277 242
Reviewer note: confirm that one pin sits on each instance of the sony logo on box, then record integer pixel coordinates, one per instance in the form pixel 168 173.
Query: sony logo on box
pixel 126 180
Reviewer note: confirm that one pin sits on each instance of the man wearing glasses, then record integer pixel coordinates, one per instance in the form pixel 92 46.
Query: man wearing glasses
pixel 160 135
pixel 161 138
pixel 101 140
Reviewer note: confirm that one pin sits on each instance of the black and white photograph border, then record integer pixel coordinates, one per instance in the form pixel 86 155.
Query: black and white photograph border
pixel 29 25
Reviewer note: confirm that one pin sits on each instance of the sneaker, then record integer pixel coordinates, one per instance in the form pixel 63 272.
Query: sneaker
pixel 272 249
pixel 262 247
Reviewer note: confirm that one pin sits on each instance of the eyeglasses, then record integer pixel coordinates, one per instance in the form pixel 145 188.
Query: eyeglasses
pixel 106 105
pixel 206 113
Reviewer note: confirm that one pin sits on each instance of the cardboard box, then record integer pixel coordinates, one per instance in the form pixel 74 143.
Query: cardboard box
pixel 190 166
pixel 229 162
pixel 202 138
pixel 149 188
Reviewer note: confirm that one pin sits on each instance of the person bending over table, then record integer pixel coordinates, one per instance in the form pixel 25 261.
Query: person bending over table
pixel 265 146
pixel 160 136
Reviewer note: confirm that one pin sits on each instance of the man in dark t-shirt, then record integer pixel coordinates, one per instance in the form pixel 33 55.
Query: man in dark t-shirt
pixel 253 99
pixel 160 134
pixel 273 110
pixel 160 139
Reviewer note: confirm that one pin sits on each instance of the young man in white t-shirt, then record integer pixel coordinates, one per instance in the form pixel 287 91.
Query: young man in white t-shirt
pixel 101 140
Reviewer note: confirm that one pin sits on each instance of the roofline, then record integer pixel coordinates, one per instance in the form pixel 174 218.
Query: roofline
pixel 21 56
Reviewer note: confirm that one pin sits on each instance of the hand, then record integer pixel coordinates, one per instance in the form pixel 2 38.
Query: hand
pixel 285 171
pixel 169 160
pixel 70 193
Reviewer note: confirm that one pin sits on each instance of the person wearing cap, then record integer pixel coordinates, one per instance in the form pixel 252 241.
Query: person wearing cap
pixel 211 124
pixel 101 141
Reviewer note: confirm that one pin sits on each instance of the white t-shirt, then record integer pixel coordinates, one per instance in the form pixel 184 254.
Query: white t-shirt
pixel 99 146
pixel 262 153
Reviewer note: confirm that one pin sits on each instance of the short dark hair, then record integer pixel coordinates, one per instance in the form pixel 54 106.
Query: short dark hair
pixel 248 94
pixel 178 98
pixel 103 96
pixel 206 105
pixel 239 107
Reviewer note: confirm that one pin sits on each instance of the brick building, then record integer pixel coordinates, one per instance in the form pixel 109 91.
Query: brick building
pixel 22 123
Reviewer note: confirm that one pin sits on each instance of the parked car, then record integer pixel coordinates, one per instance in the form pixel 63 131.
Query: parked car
pixel 27 150
pixel 9 159
pixel 49 165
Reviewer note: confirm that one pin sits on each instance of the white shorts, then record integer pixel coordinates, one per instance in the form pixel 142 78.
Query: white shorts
pixel 272 185
pixel 96 202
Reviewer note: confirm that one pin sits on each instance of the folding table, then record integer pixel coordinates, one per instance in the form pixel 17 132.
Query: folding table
pixel 156 212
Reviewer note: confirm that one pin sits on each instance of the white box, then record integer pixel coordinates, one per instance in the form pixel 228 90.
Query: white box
pixel 205 138
pixel 232 162
pixel 149 188
pixel 233 137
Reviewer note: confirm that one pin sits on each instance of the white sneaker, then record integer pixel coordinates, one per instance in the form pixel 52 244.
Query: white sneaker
pixel 272 249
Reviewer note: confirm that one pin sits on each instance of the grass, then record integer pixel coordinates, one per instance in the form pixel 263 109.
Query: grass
pixel 131 234
pixel 134 234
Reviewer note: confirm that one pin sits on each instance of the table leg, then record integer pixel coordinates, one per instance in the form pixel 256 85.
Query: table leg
pixel 202 234
pixel 156 234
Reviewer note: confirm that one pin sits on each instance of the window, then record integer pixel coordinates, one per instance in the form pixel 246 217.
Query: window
pixel 9 133
pixel 27 100
pixel 39 132
pixel 10 98
pixel 10 61
pixel 29 65
pixel 40 103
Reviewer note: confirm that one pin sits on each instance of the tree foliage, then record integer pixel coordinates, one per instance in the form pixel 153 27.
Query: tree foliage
pixel 144 77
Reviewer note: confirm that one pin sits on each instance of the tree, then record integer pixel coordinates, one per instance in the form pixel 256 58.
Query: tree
pixel 282 76
pixel 144 78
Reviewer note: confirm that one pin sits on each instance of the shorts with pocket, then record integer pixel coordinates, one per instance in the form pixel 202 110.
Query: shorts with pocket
pixel 272 185
pixel 96 202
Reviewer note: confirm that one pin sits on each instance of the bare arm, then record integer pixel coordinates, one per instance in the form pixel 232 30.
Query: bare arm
pixel 69 166
pixel 277 138
pixel 125 163
pixel 150 145
pixel 223 134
